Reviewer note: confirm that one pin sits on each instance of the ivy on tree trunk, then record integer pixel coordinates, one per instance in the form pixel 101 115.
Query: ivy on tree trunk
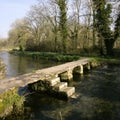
pixel 103 22
pixel 63 23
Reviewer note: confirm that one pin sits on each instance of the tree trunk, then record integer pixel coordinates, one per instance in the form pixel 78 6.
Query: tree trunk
pixel 63 23
pixel 94 39
pixel 109 43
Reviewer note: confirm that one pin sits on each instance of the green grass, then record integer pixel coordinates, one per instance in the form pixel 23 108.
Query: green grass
pixel 107 60
pixel 10 100
pixel 57 57
pixel 47 55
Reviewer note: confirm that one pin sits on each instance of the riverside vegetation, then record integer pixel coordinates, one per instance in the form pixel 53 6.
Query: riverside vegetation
pixel 69 27
pixel 11 103
pixel 2 69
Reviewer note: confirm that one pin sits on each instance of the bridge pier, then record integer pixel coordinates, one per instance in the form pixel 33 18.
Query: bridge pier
pixel 87 66
pixel 66 76
pixel 82 68
pixel 78 70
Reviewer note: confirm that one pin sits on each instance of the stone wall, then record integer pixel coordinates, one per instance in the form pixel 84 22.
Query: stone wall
pixel 2 69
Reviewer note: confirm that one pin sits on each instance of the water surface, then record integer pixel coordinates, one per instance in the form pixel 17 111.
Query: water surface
pixel 17 65
pixel 99 99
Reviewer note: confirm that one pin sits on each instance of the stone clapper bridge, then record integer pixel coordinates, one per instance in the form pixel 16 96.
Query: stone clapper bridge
pixel 51 80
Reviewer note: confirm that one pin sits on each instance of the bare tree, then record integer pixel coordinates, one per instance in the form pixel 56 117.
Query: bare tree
pixel 18 33
pixel 75 22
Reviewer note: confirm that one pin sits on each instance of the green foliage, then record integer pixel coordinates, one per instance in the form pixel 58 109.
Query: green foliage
pixel 63 23
pixel 103 18
pixel 103 22
pixel 3 44
pixel 117 27
pixel 19 34
pixel 55 30
pixel 9 101
pixel 2 69
pixel 47 55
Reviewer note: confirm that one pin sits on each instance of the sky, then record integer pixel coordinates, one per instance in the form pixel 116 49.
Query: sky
pixel 11 10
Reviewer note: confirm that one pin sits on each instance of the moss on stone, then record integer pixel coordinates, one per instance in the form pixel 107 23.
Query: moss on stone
pixel 2 69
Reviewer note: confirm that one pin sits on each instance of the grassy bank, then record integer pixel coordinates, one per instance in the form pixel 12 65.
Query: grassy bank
pixel 57 57
pixel 47 55
pixel 10 103
pixel 107 60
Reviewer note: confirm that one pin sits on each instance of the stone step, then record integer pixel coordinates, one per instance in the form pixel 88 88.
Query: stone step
pixel 68 91
pixel 62 85
pixel 53 81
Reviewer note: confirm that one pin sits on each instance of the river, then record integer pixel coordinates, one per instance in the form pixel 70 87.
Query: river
pixel 17 65
pixel 98 93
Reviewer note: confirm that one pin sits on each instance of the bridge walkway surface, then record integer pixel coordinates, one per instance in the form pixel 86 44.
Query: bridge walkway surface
pixel 43 74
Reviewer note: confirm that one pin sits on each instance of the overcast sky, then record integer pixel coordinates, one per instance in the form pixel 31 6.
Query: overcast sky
pixel 10 10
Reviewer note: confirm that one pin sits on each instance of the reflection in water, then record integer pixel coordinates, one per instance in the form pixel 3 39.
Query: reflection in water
pixel 17 65
pixel 98 94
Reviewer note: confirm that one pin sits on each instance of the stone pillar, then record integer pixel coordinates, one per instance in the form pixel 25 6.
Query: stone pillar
pixel 78 70
pixel 66 76
pixel 87 66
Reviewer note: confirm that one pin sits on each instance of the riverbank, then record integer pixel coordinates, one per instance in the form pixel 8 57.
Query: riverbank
pixel 57 57
pixel 47 55
pixel 11 103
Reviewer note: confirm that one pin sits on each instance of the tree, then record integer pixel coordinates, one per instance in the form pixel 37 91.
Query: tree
pixel 35 23
pixel 92 13
pixel 18 34
pixel 51 16
pixel 103 23
pixel 117 26
pixel 74 22
pixel 62 4
pixel 43 22
pixel 3 43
